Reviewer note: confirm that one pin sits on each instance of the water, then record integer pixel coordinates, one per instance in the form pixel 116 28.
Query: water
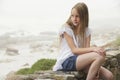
pixel 31 48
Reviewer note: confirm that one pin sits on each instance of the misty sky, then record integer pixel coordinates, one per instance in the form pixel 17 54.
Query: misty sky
pixel 51 14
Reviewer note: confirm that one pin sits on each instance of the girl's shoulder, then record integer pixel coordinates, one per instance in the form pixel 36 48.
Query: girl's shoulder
pixel 66 28
pixel 88 31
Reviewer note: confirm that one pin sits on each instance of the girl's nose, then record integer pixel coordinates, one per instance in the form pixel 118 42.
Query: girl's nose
pixel 75 19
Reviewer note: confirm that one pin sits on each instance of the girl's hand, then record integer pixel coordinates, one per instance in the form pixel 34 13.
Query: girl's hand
pixel 99 50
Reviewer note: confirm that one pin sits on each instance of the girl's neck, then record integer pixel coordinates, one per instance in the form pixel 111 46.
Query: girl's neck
pixel 76 30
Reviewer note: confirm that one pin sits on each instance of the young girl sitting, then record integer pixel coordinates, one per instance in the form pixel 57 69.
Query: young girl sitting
pixel 75 51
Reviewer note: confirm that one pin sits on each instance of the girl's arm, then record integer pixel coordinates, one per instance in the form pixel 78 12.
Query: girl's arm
pixel 96 49
pixel 88 49
pixel 76 50
pixel 88 39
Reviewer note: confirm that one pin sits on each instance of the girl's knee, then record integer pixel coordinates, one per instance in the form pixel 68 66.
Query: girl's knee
pixel 102 58
pixel 99 57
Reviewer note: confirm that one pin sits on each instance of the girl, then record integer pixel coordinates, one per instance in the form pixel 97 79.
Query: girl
pixel 75 51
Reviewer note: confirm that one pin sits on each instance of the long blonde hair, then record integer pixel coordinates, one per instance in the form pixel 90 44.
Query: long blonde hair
pixel 82 10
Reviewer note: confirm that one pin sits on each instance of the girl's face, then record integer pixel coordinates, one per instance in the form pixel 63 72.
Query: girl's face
pixel 75 17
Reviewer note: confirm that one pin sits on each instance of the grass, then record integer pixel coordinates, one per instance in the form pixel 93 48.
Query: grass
pixel 117 41
pixel 23 71
pixel 42 64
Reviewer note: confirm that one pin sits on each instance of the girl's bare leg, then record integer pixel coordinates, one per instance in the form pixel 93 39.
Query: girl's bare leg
pixel 97 77
pixel 94 60
pixel 103 73
pixel 106 74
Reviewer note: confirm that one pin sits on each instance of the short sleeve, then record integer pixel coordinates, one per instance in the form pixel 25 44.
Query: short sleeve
pixel 88 32
pixel 66 29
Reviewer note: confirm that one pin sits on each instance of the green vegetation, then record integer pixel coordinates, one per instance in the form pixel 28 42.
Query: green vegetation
pixel 116 42
pixel 23 71
pixel 43 64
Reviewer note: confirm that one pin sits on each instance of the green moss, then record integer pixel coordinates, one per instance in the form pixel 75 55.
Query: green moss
pixel 23 71
pixel 43 64
pixel 117 41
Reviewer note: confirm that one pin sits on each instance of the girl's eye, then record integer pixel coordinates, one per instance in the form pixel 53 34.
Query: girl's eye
pixel 77 16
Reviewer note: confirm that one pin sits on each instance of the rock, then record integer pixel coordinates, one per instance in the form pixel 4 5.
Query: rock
pixel 12 51
pixel 46 75
pixel 13 76
pixel 112 63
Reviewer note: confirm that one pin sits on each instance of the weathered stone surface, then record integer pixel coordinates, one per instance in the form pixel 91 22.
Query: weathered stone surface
pixel 47 75
pixel 12 51
pixel 112 63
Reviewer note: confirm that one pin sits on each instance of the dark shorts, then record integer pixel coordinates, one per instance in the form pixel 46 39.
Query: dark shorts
pixel 69 64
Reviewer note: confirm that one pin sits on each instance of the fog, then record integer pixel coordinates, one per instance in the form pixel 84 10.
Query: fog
pixel 48 15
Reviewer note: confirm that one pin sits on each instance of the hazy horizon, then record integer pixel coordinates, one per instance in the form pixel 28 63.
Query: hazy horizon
pixel 44 15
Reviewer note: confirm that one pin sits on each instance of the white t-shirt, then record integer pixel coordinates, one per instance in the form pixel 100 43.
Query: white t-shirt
pixel 65 51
